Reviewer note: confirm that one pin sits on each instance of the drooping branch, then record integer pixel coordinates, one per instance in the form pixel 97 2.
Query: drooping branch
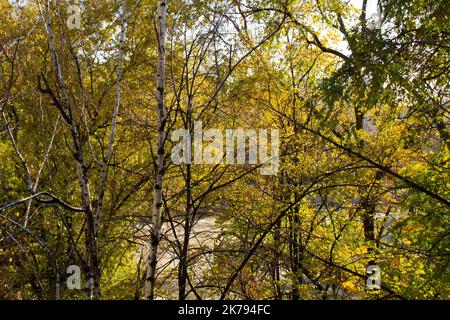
pixel 51 199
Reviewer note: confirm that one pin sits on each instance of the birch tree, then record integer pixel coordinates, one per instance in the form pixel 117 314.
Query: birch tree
pixel 155 231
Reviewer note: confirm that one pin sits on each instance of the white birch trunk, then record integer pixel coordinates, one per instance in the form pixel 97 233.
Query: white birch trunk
pixel 159 165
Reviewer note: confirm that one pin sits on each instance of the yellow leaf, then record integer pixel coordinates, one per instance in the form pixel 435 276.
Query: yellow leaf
pixel 349 286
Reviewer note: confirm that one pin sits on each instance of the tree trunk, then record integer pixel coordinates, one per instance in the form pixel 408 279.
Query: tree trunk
pixel 368 201
pixel 182 269
pixel 107 158
pixel 159 165
pixel 92 264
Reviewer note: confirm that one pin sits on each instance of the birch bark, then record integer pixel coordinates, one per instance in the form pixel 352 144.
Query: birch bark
pixel 159 163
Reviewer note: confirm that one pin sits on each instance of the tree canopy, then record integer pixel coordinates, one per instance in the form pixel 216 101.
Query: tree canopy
pixel 92 92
